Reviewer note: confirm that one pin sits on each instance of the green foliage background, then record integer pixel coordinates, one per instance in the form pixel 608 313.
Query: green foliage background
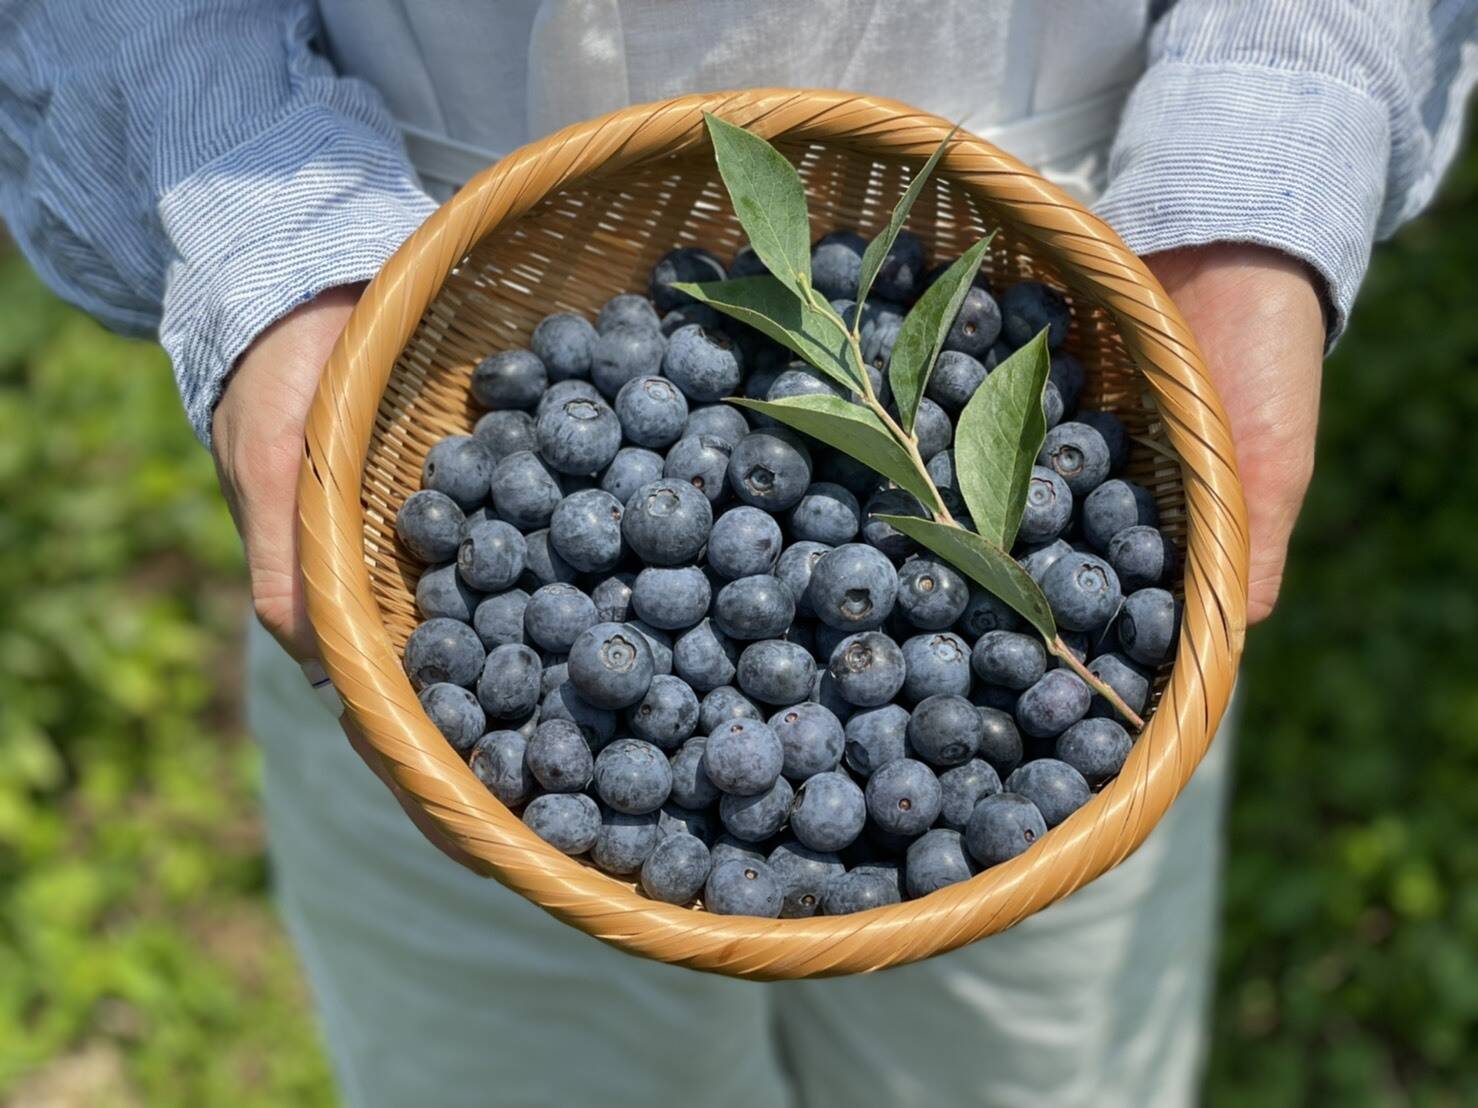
pixel 140 963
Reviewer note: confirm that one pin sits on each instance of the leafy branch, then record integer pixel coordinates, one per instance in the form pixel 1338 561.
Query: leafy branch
pixel 999 432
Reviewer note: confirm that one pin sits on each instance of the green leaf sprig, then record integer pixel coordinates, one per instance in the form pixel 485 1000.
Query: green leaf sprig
pixel 999 432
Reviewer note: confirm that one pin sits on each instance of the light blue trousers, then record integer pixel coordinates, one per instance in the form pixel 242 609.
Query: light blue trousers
pixel 439 988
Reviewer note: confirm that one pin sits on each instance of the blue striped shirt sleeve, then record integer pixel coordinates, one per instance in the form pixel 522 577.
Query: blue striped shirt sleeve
pixel 1310 126
pixel 193 169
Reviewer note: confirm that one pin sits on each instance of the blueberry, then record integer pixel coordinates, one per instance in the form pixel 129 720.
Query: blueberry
pixel 673 819
pixel 686 265
pixel 558 757
pixel 743 757
pixel 676 869
pixel 626 309
pixel 804 874
pixel 876 737
pixel 937 662
pixel 1037 560
pixel 703 462
pixel 704 657
pixel 836 264
pixel 524 490
pixel 1083 591
pixel 441 593
pixel 611 665
pixel 723 704
pixel 1125 678
pixel 667 522
pixel 443 650
pixel 1049 507
pixel 796 564
pixel 429 525
pixel 1001 827
pixel 945 730
pixel 812 738
pixel 931 595
pixel 884 536
pixel 667 716
pixel 563 343
pixel 757 818
pixel 903 797
pixel 1141 556
pixel 456 713
pixel 509 379
pixel 705 364
pixel 1028 307
pixel 1113 506
pixel 770 469
pixel 509 685
pixel 580 436
pixel 652 411
pixel 936 859
pixel 962 788
pixel 868 668
pixel 984 612
pixel 498 761
pixel 1056 788
pixel 744 542
pixel 506 432
pixel 858 891
pixel 491 557
pixel 829 811
pixel 624 842
pixel 1067 373
pixel 1009 658
pixel 460 467
pixel 877 344
pixel 955 378
pixel 557 394
pixel 826 513
pixel 721 421
pixel 1052 406
pixel 747 263
pixel 623 354
pixel 598 725
pixel 758 607
pixel 737 887
pixel 691 787
pixel 933 428
pixel 1148 625
pixel 569 822
pixel 836 468
pixel 630 469
pixel 727 847
pixel 798 380
pixel 1000 740
pixel 1053 704
pixel 1112 429
pixel 1078 454
pixel 776 672
pixel 671 598
pixel 852 587
pixel 659 642
pixel 689 314
pixel 555 615
pixel 1096 748
pixel 976 326
pixel 902 273
pixel 633 776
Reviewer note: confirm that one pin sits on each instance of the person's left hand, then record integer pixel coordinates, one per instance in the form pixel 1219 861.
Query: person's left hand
pixel 1258 319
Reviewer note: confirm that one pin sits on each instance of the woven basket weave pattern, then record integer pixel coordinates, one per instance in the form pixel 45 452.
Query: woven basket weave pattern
pixel 573 220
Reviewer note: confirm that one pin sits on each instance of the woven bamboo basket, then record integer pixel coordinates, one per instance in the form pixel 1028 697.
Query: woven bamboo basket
pixel 565 223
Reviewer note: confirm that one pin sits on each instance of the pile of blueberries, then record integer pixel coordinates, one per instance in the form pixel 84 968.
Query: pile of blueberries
pixel 676 636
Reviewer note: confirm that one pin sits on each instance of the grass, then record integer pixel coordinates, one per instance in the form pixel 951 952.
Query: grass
pixel 142 966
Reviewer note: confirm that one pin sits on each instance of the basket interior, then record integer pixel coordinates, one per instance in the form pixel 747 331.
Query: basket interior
pixel 579 246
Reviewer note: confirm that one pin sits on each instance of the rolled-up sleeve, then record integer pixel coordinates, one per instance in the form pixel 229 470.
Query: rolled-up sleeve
pixel 1311 126
pixel 193 169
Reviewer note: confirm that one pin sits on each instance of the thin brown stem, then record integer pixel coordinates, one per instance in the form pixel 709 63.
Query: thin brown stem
pixel 1061 650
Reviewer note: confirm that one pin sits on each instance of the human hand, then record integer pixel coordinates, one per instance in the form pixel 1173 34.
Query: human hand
pixel 1258 319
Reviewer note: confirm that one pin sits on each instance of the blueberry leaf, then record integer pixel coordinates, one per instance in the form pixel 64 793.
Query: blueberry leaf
pixel 852 429
pixel 768 198
pixel 877 250
pixel 924 330
pixel 997 440
pixel 771 308
pixel 986 564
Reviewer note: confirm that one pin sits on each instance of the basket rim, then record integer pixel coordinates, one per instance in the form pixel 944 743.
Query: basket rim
pixel 380 703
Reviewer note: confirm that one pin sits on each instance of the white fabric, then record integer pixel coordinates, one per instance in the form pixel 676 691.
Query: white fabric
pixel 438 987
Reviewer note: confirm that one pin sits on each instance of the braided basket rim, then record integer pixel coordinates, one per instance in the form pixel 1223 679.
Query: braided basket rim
pixel 382 706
